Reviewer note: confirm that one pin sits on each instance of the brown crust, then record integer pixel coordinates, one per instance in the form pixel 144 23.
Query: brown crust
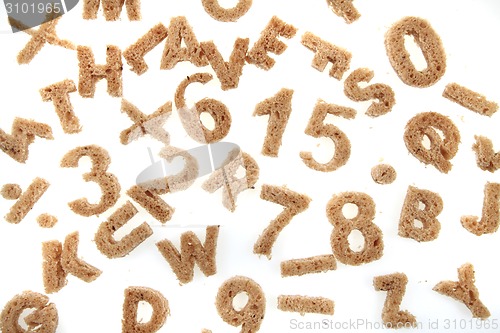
pixel 110 187
pixel 278 108
pixel 325 53
pixel 268 42
pixel 464 291
pixel 316 128
pixel 27 200
pixel 111 248
pixel 219 13
pixel 173 53
pixel 90 73
pixel 134 54
pixel 250 317
pixel 44 319
pixel 23 134
pixel 427 216
pixel 112 9
pixel 293 202
pixel 159 304
pixel 192 251
pixel 229 72
pixel 58 93
pixel 395 285
pixel 486 158
pixel 490 219
pixel 382 92
pixel 430 45
pixel 441 151
pixel 470 99
pixel 373 240
pixel 317 264
pixel 344 9
pixel 306 304
pixel 45 34
pixel 383 174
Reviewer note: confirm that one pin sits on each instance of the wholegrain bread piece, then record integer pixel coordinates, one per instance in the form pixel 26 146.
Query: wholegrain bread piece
pixel 486 158
pixel 279 108
pixel 46 220
pixel 268 42
pixel 27 200
pixel 318 129
pixel 344 9
pixel 317 264
pixel 226 179
pixel 108 183
pixel 430 44
pixel 132 297
pixel 383 174
pixel 373 238
pixel 464 291
pixel 470 99
pixel 229 72
pixel 45 34
pixel 60 260
pixel 441 151
pixel 251 315
pixel 306 304
pixel 23 134
pixel 73 265
pixel 382 92
pixel 293 202
pixel 146 124
pixel 112 9
pixel 90 73
pixel 178 31
pixel 433 205
pixel 490 220
pixel 11 191
pixel 112 248
pixel 58 93
pixel 190 117
pixel 325 52
pixel 54 276
pixel 395 285
pixel 213 8
pixel 134 54
pixel 192 251
pixel 152 202
pixel 44 318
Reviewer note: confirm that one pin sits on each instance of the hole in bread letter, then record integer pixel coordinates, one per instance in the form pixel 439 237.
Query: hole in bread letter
pixel 356 241
pixel 416 55
pixel 207 121
pixel 350 210
pixel 144 312
pixel 240 301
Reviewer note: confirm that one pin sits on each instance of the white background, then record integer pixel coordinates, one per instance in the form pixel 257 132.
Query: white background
pixel 468 30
